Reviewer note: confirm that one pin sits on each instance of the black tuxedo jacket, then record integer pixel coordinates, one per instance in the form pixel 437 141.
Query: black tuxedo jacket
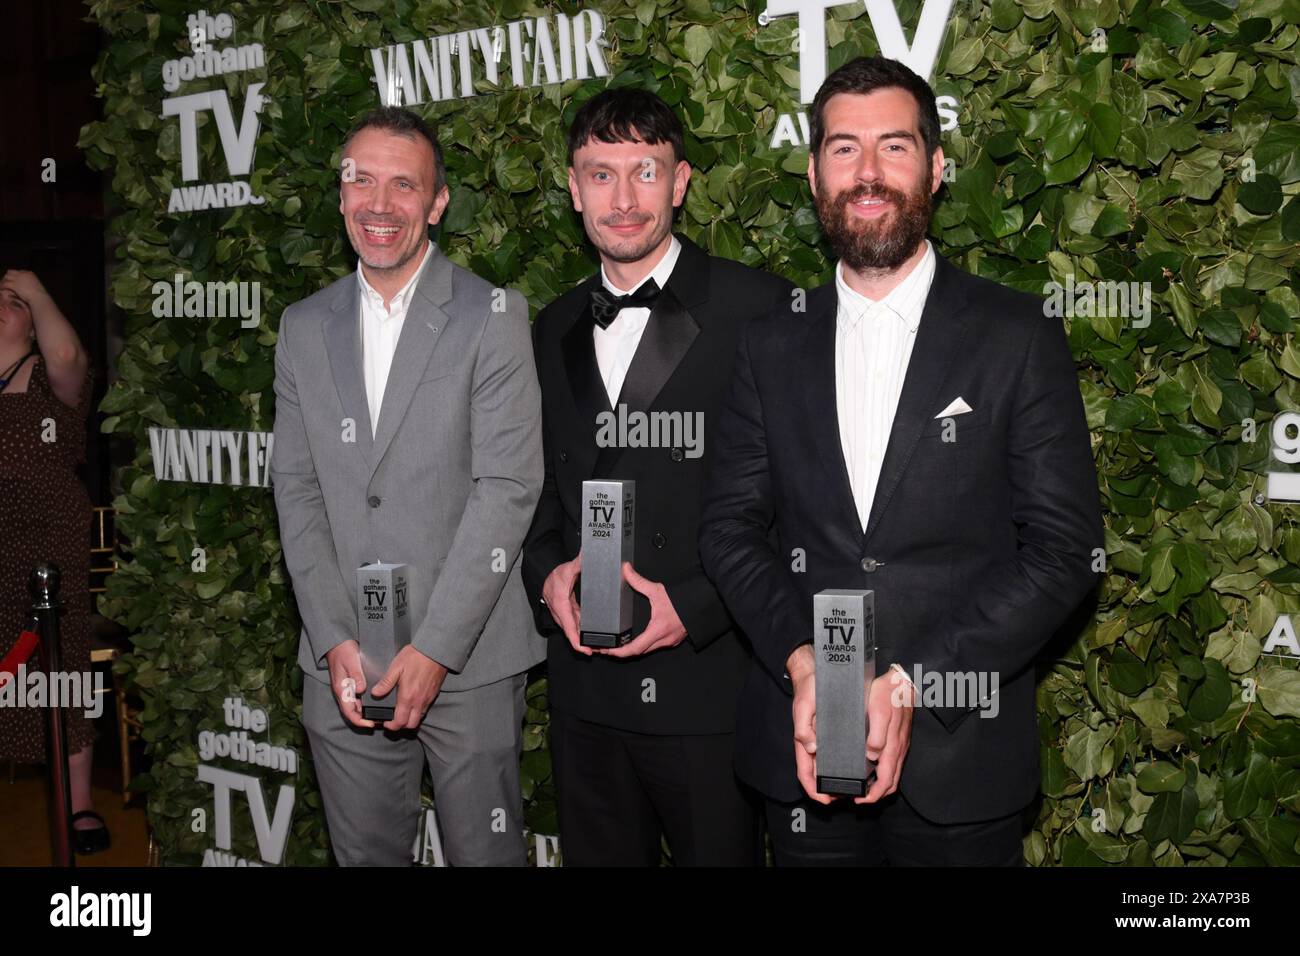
pixel 682 364
pixel 977 548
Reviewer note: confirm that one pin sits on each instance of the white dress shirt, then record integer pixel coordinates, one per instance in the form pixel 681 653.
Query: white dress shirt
pixel 873 343
pixel 616 345
pixel 380 329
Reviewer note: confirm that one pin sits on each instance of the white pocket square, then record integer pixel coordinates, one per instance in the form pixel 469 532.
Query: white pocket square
pixel 958 407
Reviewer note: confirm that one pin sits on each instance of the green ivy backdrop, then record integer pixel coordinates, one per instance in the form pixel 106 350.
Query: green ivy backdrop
pixel 1129 140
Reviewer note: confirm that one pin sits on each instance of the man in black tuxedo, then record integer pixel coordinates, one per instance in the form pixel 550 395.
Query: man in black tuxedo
pixel 641 736
pixel 917 432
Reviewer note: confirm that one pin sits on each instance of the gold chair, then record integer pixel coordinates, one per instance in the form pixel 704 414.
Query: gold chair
pixel 103 562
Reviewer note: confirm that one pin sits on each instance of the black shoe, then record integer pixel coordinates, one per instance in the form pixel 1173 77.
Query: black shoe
pixel 94 840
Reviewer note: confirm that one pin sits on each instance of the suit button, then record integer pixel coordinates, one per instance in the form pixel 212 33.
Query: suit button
pixel 869 564
pixel 564 456
pixel 373 501
pixel 658 540
pixel 676 454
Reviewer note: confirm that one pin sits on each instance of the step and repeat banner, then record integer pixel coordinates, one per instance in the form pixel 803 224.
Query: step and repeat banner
pixel 1134 162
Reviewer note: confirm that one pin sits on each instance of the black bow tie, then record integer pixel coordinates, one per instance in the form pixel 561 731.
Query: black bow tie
pixel 605 306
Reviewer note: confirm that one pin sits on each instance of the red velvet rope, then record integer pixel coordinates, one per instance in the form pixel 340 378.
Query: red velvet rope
pixel 18 655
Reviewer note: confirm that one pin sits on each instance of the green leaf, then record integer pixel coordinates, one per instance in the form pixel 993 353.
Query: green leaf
pixel 1153 712
pixel 699 41
pixel 1170 27
pixel 1212 696
pixel 725 239
pixel 209 585
pixel 1184 309
pixel 1265 273
pixel 1258 371
pixel 463 208
pixel 1127 412
pixel 1007 15
pixel 1276 310
pixel 1278 152
pixel 1221 327
pixel 294 244
pixel 1279 691
pixel 1171 398
pixel 1107 848
pixel 1160 565
pixel 1211 9
pixel 1237 532
pixel 1104 124
pixel 1054 777
pixel 1189 561
pixel 1111 222
pixel 1086 753
pixel 1200 173
pixel 1127 673
pixel 1161 777
pixel 1172 816
pixel 1263 197
pixel 965 56
pixel 1180 469
pixel 1068 169
pixel 1290 221
pixel 1188 440
pixel 1289 361
pixel 1239 790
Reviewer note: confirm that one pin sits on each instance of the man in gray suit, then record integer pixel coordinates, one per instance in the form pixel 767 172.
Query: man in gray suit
pixel 408 430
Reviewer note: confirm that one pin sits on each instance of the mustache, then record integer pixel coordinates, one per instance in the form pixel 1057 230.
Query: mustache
pixel 624 220
pixel 869 192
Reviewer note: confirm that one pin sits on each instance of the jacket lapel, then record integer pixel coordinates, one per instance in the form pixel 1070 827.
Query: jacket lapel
pixel 669 333
pixel 421 330
pixel 667 337
pixel 816 376
pixel 342 330
pixel 580 366
pixel 670 330
pixel 939 340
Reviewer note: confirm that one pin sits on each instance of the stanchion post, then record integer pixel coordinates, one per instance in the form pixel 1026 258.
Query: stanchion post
pixel 44 587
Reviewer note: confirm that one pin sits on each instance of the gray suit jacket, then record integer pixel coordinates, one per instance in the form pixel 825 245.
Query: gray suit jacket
pixel 447 486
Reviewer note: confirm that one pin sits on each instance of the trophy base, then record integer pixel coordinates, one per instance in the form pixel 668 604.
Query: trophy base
pixel 377 713
pixel 845 786
pixel 604 639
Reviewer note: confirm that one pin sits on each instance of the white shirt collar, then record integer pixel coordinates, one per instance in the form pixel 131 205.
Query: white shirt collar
pixel 659 273
pixel 399 301
pixel 906 300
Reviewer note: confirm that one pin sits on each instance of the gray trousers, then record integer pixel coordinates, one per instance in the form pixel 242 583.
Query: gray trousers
pixel 370 779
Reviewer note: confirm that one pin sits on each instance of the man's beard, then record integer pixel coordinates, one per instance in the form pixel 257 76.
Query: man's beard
pixel 633 248
pixel 885 243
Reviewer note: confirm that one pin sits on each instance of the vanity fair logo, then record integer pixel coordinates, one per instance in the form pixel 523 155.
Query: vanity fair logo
pixel 211 456
pixel 537 51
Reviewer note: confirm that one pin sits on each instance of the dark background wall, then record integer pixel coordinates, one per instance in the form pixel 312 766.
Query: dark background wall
pixel 56 229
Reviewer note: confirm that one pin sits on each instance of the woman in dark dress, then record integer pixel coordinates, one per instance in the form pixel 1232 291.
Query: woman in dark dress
pixel 45 514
